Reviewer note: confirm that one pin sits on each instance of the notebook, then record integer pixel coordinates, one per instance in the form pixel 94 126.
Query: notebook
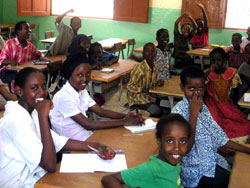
pixel 149 125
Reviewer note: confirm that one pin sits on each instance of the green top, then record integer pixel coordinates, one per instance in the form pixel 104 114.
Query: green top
pixel 153 174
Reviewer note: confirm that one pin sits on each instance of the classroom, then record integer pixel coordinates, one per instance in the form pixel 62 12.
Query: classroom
pixel 102 79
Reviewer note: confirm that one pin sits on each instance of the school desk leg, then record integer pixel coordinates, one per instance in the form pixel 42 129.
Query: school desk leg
pixel 202 62
pixel 171 101
pixel 91 91
pixel 120 93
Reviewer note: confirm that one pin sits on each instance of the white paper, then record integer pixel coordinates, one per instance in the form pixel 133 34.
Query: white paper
pixel 149 125
pixel 204 49
pixel 246 97
pixel 107 70
pixel 89 163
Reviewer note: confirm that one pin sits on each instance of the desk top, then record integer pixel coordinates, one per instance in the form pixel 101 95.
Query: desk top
pixel 41 67
pixel 5 26
pixel 48 40
pixel 121 68
pixel 204 51
pixel 108 44
pixel 240 172
pixel 171 87
pixel 243 104
pixel 133 147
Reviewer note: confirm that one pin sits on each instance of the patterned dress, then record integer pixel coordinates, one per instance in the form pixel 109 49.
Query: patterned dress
pixel 162 63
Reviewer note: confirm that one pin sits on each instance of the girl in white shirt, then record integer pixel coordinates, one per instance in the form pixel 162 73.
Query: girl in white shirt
pixel 28 147
pixel 68 118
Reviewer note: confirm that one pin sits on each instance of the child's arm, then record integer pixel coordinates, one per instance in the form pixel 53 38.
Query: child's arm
pixel 7 95
pixel 188 16
pixel 113 180
pixel 176 24
pixel 136 57
pixel 60 17
pixel 112 61
pixel 237 147
pixel 204 14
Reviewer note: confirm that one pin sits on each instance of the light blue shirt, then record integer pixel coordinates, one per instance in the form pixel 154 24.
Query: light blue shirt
pixel 203 158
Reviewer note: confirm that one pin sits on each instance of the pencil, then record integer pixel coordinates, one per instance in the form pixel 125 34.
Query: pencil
pixel 140 134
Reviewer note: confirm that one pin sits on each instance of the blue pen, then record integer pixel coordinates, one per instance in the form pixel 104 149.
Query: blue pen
pixel 119 151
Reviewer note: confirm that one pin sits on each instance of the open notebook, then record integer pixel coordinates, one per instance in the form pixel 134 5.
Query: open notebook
pixel 149 125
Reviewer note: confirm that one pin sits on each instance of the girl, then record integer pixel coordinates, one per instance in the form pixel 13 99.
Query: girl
pixel 162 170
pixel 219 82
pixel 200 38
pixel 71 103
pixel 28 147
pixel 181 41
pixel 99 57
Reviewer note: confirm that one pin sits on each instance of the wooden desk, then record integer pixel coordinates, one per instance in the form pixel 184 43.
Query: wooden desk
pixel 48 40
pixel 108 44
pixel 240 175
pixel 243 104
pixel 140 49
pixel 171 89
pixel 133 147
pixel 5 27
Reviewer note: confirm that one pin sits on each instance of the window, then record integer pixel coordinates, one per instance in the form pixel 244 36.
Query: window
pixel 238 14
pixel 85 8
pixel 233 14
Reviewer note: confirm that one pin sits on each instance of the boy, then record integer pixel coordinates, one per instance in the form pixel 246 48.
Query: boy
pixel 66 34
pixel 246 40
pixel 202 167
pixel 143 77
pixel 235 52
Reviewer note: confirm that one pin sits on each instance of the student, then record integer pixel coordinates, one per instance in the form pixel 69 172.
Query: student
pixel 99 57
pixel 181 41
pixel 66 34
pixel 71 103
pixel 200 38
pixel 246 40
pixel 163 169
pixel 17 51
pixel 202 167
pixel 219 82
pixel 28 147
pixel 6 95
pixel 142 78
pixel 162 55
pixel 244 73
pixel 235 52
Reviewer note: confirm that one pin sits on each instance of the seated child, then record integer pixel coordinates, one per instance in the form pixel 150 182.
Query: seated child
pixel 69 118
pixel 246 40
pixel 99 57
pixel 162 170
pixel 28 146
pixel 235 52
pixel 244 72
pixel 200 38
pixel 202 167
pixel 142 78
pixel 219 82
pixel 6 95
pixel 181 41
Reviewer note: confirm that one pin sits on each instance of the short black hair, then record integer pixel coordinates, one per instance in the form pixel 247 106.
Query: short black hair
pixel 19 26
pixel 191 71
pixel 146 45
pixel 22 75
pixel 237 35
pixel 158 33
pixel 93 46
pixel 220 51
pixel 74 18
pixel 170 119
pixel 248 45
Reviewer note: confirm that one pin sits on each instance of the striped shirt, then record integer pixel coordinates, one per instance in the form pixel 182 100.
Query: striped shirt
pixel 141 80
pixel 13 50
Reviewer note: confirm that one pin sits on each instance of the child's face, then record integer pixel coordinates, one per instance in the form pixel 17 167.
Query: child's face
pixel 35 87
pixel 174 143
pixel 218 61
pixel 25 32
pixel 193 86
pixel 185 30
pixel 200 25
pixel 236 41
pixel 149 53
pixel 76 24
pixel 80 77
pixel 163 39
pixel 85 44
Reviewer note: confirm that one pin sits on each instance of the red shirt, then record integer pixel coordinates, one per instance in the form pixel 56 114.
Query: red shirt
pixel 13 50
pixel 200 39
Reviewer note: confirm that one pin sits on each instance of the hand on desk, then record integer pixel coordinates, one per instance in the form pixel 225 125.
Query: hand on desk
pixel 133 119
pixel 105 152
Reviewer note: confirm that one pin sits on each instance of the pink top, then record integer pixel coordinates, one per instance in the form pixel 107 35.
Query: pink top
pixel 13 50
pixel 200 39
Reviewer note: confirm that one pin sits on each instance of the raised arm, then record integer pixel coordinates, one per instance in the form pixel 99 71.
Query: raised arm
pixel 176 24
pixel 204 13
pixel 237 147
pixel 113 180
pixel 60 17
pixel 188 16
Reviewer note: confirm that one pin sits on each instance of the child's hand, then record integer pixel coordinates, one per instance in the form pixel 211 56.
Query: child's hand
pixel 43 106
pixel 105 152
pixel 71 10
pixel 212 67
pixel 195 103
pixel 133 119
pixel 199 4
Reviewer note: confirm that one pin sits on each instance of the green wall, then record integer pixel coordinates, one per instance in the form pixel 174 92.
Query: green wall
pixel 101 29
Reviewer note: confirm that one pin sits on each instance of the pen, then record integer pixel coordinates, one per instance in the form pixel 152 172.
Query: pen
pixel 98 151
pixel 140 134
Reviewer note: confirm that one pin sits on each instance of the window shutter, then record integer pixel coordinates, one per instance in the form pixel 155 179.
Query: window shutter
pixel 33 7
